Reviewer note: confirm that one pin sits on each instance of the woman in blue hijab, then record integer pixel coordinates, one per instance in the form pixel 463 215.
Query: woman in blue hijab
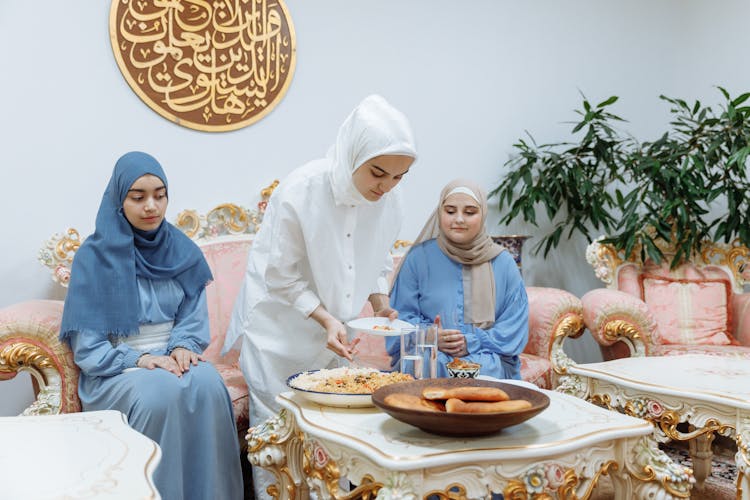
pixel 137 321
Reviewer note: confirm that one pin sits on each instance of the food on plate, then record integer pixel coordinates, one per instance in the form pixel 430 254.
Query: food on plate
pixel 460 364
pixel 454 405
pixel 467 393
pixel 468 399
pixel 347 380
pixel 383 327
pixel 412 402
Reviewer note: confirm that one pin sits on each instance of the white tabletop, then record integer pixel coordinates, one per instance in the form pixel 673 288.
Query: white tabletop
pixel 709 378
pixel 75 456
pixel 567 424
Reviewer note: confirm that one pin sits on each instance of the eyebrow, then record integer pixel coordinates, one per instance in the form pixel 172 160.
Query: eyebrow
pixel 135 190
pixel 388 173
pixel 456 206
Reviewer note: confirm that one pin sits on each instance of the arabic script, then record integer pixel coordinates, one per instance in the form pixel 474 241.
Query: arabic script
pixel 208 65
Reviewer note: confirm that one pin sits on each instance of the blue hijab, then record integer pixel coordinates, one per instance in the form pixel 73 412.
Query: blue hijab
pixel 103 291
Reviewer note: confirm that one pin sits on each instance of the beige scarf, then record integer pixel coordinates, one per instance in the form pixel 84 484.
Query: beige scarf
pixel 476 254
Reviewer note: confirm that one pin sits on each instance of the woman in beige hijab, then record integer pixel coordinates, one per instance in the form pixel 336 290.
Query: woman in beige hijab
pixel 456 275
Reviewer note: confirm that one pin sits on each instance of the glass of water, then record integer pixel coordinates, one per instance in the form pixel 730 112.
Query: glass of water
pixel 427 337
pixel 411 360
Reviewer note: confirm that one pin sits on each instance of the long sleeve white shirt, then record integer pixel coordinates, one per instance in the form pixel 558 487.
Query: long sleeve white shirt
pixel 309 251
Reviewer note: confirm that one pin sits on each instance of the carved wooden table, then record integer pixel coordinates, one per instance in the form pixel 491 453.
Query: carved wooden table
pixel 76 456
pixel 560 453
pixel 711 393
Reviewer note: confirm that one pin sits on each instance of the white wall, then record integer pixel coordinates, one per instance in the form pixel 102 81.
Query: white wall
pixel 471 75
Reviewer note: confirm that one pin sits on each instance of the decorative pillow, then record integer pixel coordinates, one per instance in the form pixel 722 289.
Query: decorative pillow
pixel 689 311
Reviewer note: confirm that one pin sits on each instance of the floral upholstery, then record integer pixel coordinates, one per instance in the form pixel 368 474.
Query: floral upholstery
pixel 652 310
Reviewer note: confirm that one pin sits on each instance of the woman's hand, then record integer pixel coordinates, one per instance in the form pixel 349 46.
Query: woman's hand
pixel 185 357
pixel 451 342
pixel 149 361
pixel 382 307
pixel 337 339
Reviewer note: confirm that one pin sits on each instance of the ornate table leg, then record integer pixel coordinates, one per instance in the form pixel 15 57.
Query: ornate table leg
pixel 702 456
pixel 659 477
pixel 277 446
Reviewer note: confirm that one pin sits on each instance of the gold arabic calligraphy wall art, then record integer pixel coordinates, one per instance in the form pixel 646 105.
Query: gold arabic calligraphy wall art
pixel 214 65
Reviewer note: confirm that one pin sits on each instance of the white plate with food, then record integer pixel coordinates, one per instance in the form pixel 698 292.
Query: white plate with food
pixel 379 326
pixel 342 387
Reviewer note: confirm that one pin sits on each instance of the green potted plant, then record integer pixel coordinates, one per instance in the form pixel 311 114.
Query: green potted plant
pixel 642 195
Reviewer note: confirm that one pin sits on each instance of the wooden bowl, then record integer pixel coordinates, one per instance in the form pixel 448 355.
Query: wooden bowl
pixel 460 424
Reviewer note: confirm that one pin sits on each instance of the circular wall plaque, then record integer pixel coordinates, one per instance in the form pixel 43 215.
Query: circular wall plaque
pixel 212 66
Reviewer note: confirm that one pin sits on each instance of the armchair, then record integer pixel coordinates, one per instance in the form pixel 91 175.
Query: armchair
pixel 651 310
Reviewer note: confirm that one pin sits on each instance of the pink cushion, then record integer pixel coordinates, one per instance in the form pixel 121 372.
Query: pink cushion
pixel 536 370
pixel 628 277
pixel 227 260
pixel 688 310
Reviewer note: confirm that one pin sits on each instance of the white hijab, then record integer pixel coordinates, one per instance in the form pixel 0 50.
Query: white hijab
pixel 372 129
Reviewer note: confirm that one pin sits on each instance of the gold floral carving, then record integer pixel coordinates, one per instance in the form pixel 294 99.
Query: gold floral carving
pixel 571 327
pixel 618 328
pixel 453 491
pixel 668 423
pixel 15 356
pixel 367 489
pixel 25 356
pixel 210 66
pixel 734 256
pixel 570 482
pixel 567 489
pixel 603 400
pixel 328 472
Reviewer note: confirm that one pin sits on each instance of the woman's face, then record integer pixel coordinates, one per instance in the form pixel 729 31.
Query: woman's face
pixel 377 176
pixel 460 218
pixel 145 203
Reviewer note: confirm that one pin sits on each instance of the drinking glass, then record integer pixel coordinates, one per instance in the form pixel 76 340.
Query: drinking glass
pixel 411 360
pixel 427 337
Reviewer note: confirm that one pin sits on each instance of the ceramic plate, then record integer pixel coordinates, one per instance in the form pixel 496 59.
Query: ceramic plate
pixel 384 326
pixel 330 398
pixel 460 424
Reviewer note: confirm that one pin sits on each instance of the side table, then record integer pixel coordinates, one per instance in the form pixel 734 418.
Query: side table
pixel 76 456
pixel 711 393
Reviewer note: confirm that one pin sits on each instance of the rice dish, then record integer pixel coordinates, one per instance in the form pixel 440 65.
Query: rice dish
pixel 347 380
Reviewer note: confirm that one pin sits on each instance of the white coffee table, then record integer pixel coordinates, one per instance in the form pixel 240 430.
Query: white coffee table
pixel 711 393
pixel 560 452
pixel 76 456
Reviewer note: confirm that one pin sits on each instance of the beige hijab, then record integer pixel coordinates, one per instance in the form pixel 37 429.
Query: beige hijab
pixel 476 254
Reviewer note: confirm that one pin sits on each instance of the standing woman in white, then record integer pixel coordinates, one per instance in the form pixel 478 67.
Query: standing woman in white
pixel 321 252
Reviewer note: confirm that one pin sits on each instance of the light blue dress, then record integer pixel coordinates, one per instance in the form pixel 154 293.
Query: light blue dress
pixel 430 283
pixel 190 417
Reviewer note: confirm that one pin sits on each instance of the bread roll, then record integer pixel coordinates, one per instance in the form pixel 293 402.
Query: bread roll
pixel 412 402
pixel 454 405
pixel 467 393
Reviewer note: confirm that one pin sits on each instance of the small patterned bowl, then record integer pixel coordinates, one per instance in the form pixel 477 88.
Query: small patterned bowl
pixel 469 372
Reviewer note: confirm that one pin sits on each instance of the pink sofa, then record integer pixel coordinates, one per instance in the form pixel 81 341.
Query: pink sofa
pixel 29 330
pixel 651 310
